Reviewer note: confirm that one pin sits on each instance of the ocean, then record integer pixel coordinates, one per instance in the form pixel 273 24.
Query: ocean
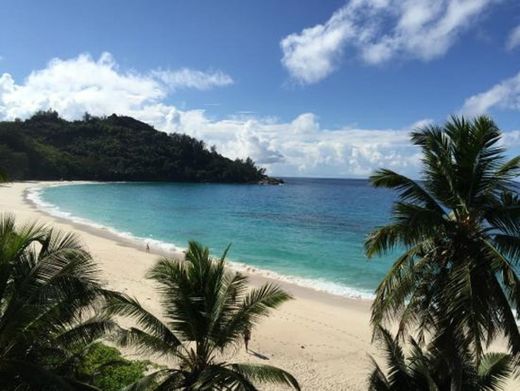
pixel 307 231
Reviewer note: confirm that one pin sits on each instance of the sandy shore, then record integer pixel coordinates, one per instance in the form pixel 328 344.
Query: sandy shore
pixel 323 340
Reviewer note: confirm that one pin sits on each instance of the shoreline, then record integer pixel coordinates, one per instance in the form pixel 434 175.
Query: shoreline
pixel 254 273
pixel 324 340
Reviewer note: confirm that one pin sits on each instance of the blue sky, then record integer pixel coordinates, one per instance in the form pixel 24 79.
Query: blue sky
pixel 317 88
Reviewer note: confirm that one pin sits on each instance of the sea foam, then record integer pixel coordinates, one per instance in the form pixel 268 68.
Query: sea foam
pixel 34 195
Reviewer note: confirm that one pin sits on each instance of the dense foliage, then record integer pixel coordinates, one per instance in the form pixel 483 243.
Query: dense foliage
pixel 47 147
pixel 50 308
pixel 104 367
pixel 459 229
pixel 206 309
pixel 430 369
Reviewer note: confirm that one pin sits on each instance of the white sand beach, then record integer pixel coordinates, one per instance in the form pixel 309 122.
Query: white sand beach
pixel 324 340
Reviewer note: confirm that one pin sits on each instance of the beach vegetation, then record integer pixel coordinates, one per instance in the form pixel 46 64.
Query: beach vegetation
pixel 104 367
pixel 206 310
pixel 418 369
pixel 51 303
pixel 458 230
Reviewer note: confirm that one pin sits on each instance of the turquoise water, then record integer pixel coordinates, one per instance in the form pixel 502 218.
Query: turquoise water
pixel 310 231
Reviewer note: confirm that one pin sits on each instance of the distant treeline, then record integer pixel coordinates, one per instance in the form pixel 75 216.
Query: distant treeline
pixel 114 148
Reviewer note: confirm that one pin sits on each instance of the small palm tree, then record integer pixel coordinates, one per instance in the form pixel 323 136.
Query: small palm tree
pixel 49 294
pixel 459 230
pixel 207 309
pixel 432 370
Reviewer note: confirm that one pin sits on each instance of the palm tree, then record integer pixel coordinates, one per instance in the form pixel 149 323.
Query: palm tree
pixel 49 295
pixel 206 309
pixel 459 233
pixel 431 370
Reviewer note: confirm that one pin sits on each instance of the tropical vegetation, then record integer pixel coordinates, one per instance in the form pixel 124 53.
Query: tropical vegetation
pixel 54 312
pixel 114 148
pixel 430 369
pixel 206 311
pixel 105 368
pixel 50 306
pixel 458 231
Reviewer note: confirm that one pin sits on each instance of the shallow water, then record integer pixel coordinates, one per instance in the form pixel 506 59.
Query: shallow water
pixel 309 231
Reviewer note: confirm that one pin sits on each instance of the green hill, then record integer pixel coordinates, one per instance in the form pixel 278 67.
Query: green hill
pixel 115 148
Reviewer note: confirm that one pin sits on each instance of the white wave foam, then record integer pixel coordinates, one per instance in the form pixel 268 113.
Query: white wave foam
pixel 34 195
pixel 317 284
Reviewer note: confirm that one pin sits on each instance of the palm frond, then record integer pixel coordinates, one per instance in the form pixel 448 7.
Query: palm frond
pixel 377 380
pixel 459 228
pixel 397 286
pixel 256 304
pixel 86 332
pixel 34 375
pixel 494 370
pixel 409 190
pixel 145 342
pixel 147 382
pixel 48 289
pixel 265 374
pixel 220 377
pixel 123 305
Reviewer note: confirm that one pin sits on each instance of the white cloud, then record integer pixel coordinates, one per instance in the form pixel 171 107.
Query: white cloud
pixel 312 54
pixel 511 139
pixel 75 86
pixel 422 123
pixel 297 147
pixel 513 40
pixel 504 95
pixel 189 78
pixel 302 147
pixel 378 31
pixel 81 84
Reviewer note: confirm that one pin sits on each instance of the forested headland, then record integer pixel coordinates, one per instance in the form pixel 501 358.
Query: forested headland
pixel 113 148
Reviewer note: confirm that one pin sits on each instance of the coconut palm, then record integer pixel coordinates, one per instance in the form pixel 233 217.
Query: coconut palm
pixel 432 370
pixel 48 297
pixel 206 310
pixel 459 233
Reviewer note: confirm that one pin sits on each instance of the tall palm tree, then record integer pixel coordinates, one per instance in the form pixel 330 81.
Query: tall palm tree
pixel 49 294
pixel 459 232
pixel 206 309
pixel 431 370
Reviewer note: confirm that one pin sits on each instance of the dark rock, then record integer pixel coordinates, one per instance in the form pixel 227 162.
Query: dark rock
pixel 270 181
